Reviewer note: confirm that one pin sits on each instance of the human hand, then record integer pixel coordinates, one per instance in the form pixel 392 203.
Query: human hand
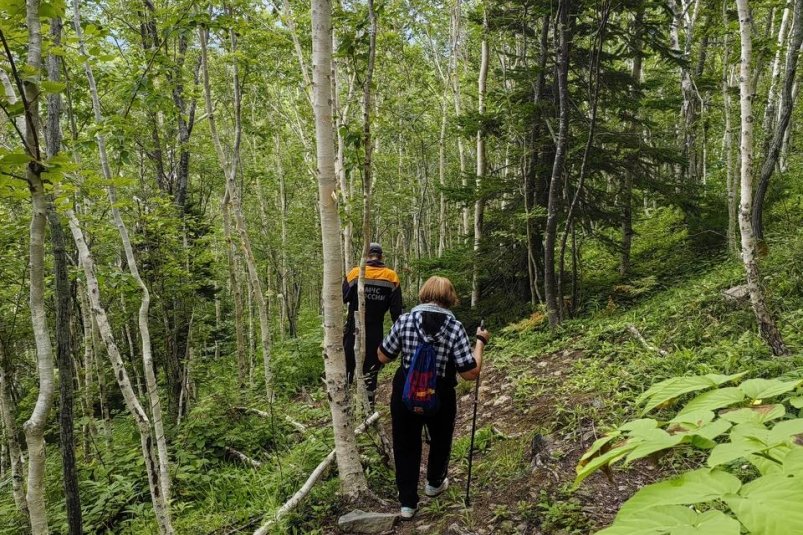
pixel 483 334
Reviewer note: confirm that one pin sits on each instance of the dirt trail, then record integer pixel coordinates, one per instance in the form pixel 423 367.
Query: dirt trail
pixel 521 478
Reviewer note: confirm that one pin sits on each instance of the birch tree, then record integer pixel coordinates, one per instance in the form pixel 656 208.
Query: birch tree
pixel 769 331
pixel 352 478
pixel 131 261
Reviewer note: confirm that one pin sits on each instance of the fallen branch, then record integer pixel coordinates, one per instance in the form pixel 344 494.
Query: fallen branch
pixel 298 425
pixel 638 336
pixel 313 478
pixel 243 457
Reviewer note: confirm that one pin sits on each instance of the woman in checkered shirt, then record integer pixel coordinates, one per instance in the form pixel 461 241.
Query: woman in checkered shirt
pixel 434 322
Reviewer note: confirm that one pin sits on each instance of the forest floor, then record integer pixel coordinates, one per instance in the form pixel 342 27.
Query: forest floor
pixel 546 396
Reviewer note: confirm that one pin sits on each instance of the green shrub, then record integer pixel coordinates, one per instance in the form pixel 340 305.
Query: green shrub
pixel 752 480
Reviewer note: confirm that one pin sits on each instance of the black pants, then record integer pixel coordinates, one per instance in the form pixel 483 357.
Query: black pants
pixel 407 427
pixel 371 366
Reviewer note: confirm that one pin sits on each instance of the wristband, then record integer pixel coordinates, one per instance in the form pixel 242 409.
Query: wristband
pixel 482 339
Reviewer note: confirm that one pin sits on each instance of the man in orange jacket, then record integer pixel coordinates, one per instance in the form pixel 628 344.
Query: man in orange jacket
pixel 382 294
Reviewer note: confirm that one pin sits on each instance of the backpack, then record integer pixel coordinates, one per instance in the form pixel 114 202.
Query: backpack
pixel 419 394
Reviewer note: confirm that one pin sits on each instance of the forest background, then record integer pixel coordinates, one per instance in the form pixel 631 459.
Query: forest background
pixel 180 179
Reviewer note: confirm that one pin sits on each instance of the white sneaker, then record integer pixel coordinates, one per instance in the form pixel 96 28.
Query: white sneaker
pixel 407 513
pixel 431 491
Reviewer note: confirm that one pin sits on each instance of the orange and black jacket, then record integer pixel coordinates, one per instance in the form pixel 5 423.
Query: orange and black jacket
pixel 382 294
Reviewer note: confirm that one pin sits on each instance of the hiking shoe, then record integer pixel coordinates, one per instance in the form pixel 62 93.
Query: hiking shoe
pixel 407 513
pixel 431 491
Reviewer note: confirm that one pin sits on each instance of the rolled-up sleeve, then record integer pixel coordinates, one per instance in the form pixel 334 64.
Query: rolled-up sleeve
pixel 461 349
pixel 391 345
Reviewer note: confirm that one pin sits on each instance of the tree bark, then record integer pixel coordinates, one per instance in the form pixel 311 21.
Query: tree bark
pixel 727 138
pixel 144 329
pixel 767 326
pixel 367 179
pixel 773 147
pixel 553 208
pixel 352 478
pixel 7 412
pixel 160 503
pixel 63 296
pixel 34 427
pixel 230 164
pixel 479 204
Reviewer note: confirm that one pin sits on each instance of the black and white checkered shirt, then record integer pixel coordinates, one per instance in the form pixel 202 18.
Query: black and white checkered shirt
pixel 451 343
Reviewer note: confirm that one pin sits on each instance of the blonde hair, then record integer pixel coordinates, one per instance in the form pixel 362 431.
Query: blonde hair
pixel 439 290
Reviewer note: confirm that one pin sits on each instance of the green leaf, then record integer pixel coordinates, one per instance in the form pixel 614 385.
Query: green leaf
pixel 730 451
pixel 698 486
pixel 651 442
pixel 770 505
pixel 638 426
pixel 49 86
pixel 757 414
pixel 670 389
pixel 715 399
pixel 695 418
pixel 793 461
pixel 767 388
pixel 786 430
pixel 585 470
pixel 674 520
pixel 14 158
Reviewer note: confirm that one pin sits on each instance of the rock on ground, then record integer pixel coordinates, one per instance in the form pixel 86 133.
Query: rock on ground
pixel 366 522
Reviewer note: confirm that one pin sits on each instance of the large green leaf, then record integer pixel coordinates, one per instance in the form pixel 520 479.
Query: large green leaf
pixel 650 442
pixel 770 505
pixel 674 387
pixel 599 444
pixel 698 486
pixel 673 520
pixel 756 414
pixel 585 470
pixel 784 431
pixel 715 399
pixel 793 461
pixel 695 418
pixel 730 451
pixel 767 388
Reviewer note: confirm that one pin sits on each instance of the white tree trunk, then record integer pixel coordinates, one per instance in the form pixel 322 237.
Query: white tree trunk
pixel 766 323
pixel 352 478
pixel 159 500
pixel 35 426
pixel 229 165
pixel 144 307
pixel 479 205
pixel 7 411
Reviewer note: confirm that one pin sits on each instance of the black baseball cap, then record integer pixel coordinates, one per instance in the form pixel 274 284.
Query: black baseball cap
pixel 375 249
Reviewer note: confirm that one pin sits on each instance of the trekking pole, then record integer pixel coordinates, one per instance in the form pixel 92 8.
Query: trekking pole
pixel 473 431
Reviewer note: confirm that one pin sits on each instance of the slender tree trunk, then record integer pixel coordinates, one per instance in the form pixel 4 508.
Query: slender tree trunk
pixel 773 147
pixel 230 164
pixel 144 329
pixel 767 326
pixel 442 181
pixel 160 504
pixel 456 31
pixel 562 60
pixel 626 195
pixel 727 138
pixel 35 426
pixel 63 296
pixel 8 410
pixel 352 478
pixel 367 183
pixel 770 110
pixel 479 205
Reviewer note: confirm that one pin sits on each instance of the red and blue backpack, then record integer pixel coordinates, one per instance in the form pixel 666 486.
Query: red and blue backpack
pixel 419 394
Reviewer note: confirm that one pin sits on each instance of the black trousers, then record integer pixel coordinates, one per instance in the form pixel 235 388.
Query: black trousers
pixel 371 367
pixel 407 427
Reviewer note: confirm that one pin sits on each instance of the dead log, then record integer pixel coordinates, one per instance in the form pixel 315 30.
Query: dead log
pixel 313 478
pixel 250 410
pixel 638 336
pixel 242 457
